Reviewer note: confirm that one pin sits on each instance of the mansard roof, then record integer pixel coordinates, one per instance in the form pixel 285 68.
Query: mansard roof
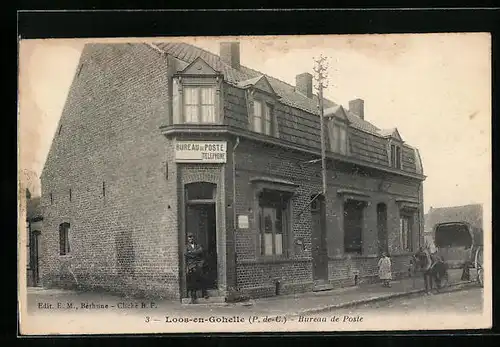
pixel 287 93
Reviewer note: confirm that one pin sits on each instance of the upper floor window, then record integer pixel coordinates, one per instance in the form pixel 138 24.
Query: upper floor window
pixel 338 139
pixel 395 156
pixel 199 105
pixel 262 119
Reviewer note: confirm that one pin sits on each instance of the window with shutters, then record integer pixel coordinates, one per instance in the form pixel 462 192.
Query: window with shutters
pixel 338 138
pixel 64 230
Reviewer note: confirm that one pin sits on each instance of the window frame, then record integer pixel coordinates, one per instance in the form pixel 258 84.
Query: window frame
pixel 337 127
pixel 64 239
pixel 281 207
pixel 362 205
pixel 406 236
pixel 395 155
pixel 199 103
pixel 266 118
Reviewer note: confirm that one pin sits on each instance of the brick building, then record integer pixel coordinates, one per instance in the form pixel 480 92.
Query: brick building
pixel 158 140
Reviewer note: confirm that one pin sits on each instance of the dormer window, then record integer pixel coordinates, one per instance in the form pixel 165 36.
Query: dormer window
pixel 394 147
pixel 339 139
pixel 196 95
pixel 337 130
pixel 396 156
pixel 262 119
pixel 199 105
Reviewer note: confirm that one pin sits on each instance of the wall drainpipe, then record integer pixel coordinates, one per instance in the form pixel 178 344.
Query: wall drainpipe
pixel 234 209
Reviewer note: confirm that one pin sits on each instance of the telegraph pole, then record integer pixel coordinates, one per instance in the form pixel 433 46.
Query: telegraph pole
pixel 320 77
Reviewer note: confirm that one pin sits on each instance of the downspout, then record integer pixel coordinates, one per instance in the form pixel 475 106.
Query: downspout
pixel 234 209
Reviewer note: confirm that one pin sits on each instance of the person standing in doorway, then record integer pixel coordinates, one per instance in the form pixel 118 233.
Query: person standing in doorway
pixel 384 270
pixel 195 265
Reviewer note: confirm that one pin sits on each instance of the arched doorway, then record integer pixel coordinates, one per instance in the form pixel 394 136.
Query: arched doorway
pixel 382 228
pixel 201 221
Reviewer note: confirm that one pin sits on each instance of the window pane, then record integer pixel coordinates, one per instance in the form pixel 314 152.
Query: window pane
pixel 207 96
pixel 393 154
pixel 268 220
pixel 207 114
pixel 343 141
pixel 67 238
pixel 267 118
pixel 398 157
pixel 335 138
pixel 190 96
pixel 279 243
pixel 200 191
pixel 191 114
pixel 191 105
pixel 268 244
pixel 257 116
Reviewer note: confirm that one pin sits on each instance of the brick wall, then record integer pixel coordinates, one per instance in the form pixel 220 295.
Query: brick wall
pixel 257 276
pixel 109 132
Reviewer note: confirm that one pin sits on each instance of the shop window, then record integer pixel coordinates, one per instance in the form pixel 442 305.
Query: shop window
pixel 273 210
pixel 64 230
pixel 199 104
pixel 353 226
pixel 406 232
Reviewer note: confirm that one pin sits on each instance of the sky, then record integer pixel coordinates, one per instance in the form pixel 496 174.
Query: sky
pixel 435 88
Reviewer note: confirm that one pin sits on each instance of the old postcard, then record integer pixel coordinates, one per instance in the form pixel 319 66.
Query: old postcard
pixel 237 184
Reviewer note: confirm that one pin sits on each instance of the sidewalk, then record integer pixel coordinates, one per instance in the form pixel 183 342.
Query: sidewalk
pixel 285 305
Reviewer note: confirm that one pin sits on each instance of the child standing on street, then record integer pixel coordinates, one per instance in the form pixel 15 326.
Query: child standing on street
pixel 384 270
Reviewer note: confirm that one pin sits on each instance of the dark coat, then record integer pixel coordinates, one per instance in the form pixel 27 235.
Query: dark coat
pixel 194 257
pixel 195 263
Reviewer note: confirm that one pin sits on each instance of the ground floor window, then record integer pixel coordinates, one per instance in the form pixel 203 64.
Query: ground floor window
pixel 406 231
pixel 353 226
pixel 64 238
pixel 273 212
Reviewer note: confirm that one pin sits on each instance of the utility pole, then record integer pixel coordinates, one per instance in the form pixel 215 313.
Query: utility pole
pixel 320 77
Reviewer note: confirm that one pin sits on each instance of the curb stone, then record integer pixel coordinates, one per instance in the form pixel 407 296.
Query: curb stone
pixel 451 288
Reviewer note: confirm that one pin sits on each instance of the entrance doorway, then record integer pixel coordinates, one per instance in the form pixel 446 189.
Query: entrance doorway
pixel 382 228
pixel 34 256
pixel 201 222
pixel 319 247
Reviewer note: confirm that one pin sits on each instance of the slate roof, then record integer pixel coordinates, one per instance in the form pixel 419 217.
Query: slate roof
pixel 387 132
pixel 34 209
pixel 287 92
pixel 472 214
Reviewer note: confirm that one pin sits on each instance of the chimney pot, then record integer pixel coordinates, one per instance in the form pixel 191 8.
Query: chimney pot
pixel 230 54
pixel 357 106
pixel 304 84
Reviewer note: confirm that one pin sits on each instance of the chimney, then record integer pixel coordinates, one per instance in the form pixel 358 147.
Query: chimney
pixel 304 84
pixel 357 106
pixel 230 54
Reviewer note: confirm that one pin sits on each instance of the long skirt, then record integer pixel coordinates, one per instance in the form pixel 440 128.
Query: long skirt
pixel 194 279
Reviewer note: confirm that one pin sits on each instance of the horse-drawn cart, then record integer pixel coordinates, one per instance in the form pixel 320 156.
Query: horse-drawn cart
pixel 460 245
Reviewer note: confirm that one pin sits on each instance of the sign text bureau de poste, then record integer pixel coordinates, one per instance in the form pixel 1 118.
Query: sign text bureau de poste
pixel 200 151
